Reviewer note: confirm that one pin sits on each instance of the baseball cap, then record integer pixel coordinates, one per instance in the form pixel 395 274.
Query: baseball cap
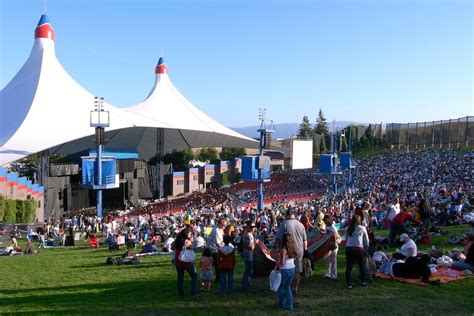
pixel 290 211
pixel 403 237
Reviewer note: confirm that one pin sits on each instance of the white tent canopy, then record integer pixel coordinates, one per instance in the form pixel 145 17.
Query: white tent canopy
pixel 43 107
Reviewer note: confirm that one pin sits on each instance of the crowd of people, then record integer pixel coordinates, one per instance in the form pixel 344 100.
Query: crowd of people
pixel 396 191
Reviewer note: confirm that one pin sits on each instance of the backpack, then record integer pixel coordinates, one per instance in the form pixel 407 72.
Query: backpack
pixel 226 261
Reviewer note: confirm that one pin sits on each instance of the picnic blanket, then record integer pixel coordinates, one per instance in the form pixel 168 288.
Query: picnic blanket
pixel 445 275
pixel 263 260
pixel 154 253
pixel 319 245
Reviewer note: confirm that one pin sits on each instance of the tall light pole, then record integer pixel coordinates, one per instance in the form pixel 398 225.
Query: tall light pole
pixel 100 120
pixel 263 130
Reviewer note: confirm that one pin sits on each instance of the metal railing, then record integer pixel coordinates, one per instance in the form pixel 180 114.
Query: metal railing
pixel 452 133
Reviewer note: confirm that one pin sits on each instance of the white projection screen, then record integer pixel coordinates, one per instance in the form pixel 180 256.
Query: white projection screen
pixel 302 154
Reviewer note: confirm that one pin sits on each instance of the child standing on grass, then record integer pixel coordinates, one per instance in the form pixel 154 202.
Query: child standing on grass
pixel 226 265
pixel 205 264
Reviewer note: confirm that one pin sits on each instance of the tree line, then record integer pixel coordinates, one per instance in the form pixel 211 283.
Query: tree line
pixel 17 211
pixel 320 135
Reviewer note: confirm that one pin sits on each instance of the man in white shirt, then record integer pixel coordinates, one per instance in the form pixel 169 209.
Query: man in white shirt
pixel 394 209
pixel 215 241
pixel 409 248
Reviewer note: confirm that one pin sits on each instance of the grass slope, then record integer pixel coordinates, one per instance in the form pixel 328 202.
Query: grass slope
pixel 76 281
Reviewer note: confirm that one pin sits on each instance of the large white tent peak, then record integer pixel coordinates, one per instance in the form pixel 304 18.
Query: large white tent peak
pixel 43 107
pixel 165 102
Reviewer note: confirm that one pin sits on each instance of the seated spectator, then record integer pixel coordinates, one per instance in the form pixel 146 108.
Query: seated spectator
pixel 111 242
pixel 409 248
pixel 149 246
pixel 32 235
pixel 199 242
pixel 167 245
pixel 379 256
pixel 466 260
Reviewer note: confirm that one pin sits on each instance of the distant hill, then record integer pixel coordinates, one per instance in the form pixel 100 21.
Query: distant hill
pixel 285 130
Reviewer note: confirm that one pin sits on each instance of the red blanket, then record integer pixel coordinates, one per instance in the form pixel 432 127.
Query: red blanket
pixel 445 275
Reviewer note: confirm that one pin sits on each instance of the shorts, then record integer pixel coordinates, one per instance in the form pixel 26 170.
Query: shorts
pixel 298 264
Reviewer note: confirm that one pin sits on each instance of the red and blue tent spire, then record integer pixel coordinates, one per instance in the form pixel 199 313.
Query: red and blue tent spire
pixel 161 67
pixel 44 29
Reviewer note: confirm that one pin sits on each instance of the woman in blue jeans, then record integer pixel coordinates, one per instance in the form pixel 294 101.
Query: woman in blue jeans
pixel 183 241
pixel 286 265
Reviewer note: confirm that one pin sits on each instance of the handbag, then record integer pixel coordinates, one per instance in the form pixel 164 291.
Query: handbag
pixel 187 255
pixel 275 280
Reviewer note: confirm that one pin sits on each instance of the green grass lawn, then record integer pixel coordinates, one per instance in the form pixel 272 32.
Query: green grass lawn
pixel 77 281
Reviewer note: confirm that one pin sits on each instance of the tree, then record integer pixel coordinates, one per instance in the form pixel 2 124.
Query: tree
pixel 2 208
pixel 369 135
pixel 229 153
pixel 10 211
pixel 30 208
pixel 321 127
pixel 305 129
pixel 225 178
pixel 322 146
pixel 208 154
pixel 316 150
pixel 179 159
pixel 344 147
pixel 20 211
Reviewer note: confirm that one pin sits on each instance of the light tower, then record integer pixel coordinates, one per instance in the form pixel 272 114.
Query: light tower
pixel 264 131
pixel 100 119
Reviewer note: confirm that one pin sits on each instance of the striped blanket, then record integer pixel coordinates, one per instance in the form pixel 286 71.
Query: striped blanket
pixel 319 245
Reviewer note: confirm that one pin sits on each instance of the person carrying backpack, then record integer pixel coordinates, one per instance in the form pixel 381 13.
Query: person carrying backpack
pixel 226 265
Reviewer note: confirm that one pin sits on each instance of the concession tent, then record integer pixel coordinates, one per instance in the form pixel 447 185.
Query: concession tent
pixel 44 108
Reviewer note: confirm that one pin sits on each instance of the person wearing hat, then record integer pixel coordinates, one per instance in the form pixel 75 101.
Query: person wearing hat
pixel 248 245
pixel 409 248
pixel 294 227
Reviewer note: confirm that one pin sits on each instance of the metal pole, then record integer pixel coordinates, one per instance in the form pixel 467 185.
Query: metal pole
pixel 260 171
pixel 449 134
pixel 416 135
pixel 458 144
pixel 433 135
pixel 467 132
pixel 424 136
pixel 99 176
pixel 160 164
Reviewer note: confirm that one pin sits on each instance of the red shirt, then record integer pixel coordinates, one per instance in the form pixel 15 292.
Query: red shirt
pixel 306 223
pixel 402 217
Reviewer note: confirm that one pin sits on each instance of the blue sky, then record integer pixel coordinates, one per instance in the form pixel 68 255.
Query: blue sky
pixel 365 61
